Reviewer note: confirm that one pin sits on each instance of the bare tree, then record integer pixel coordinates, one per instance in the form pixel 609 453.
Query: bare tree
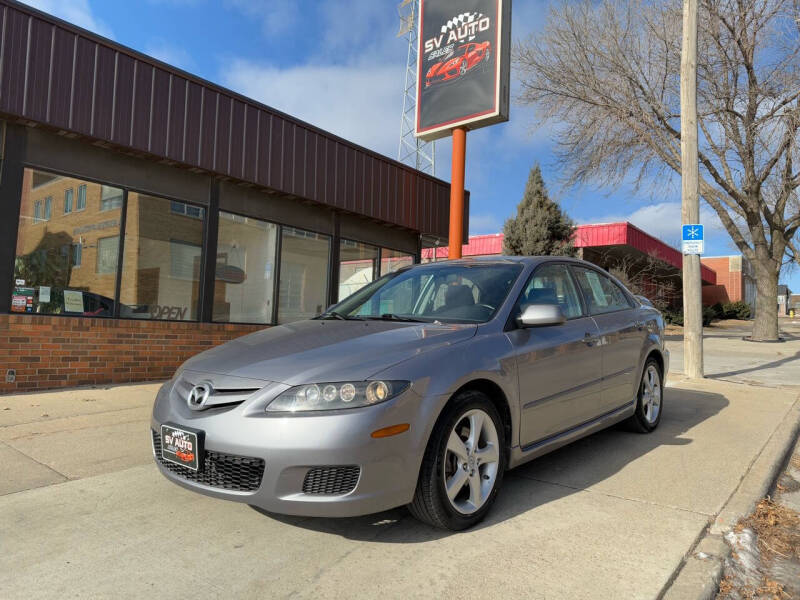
pixel 607 75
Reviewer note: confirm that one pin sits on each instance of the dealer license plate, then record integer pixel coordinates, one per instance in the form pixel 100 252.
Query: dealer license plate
pixel 182 446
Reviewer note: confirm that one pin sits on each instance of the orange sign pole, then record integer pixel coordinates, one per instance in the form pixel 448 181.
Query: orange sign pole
pixel 457 192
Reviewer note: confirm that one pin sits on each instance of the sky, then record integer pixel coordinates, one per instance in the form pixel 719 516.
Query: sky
pixel 340 66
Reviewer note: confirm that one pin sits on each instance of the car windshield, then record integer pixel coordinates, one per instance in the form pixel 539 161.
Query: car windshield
pixel 450 293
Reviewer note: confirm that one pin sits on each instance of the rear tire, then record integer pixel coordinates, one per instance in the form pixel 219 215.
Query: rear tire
pixel 649 399
pixel 465 454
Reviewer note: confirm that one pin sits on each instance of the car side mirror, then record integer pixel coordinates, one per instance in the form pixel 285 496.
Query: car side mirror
pixel 537 315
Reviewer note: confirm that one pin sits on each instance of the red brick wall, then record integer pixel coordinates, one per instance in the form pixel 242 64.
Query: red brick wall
pixel 729 286
pixel 55 352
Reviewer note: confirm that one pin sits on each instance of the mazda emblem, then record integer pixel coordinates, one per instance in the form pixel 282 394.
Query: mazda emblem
pixel 198 396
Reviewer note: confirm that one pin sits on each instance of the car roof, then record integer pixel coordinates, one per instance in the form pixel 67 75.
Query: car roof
pixel 502 259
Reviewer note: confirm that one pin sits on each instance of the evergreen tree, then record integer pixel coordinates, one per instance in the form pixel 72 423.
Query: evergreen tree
pixel 540 227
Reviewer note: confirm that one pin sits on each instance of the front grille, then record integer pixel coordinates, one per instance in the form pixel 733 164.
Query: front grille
pixel 332 481
pixel 225 471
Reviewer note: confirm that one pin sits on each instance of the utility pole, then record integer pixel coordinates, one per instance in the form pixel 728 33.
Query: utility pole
pixel 690 201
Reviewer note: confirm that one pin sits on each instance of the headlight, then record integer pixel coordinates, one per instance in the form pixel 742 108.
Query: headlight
pixel 331 396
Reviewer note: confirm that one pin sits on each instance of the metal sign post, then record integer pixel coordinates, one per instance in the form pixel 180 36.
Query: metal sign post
pixel 457 191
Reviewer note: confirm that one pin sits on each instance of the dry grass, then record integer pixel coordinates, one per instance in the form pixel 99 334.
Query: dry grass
pixel 777 528
pixel 768 590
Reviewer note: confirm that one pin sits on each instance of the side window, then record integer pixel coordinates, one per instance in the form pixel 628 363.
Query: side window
pixel 551 284
pixel 601 294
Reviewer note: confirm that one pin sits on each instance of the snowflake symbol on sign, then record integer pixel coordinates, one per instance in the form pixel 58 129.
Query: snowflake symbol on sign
pixel 693 232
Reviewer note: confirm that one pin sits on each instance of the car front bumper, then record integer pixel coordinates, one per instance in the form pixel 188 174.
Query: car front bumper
pixel 291 447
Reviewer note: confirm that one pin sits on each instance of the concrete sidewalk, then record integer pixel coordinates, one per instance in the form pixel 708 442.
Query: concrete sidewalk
pixel 729 358
pixel 86 514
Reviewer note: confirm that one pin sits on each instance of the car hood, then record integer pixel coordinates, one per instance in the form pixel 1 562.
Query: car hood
pixel 316 351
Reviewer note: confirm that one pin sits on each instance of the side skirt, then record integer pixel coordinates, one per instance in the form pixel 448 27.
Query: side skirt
pixel 522 455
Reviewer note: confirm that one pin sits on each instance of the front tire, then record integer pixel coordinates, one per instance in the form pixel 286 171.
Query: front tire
pixel 650 399
pixel 463 464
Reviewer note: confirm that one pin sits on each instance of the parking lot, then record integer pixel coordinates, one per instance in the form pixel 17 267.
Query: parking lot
pixel 86 514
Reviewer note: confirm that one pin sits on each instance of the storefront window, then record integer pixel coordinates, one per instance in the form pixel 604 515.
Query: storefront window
pixel 391 260
pixel 51 245
pixel 358 265
pixel 303 275
pixel 245 272
pixel 161 267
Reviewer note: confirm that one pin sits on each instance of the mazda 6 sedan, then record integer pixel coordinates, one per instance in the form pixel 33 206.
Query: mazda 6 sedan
pixel 420 389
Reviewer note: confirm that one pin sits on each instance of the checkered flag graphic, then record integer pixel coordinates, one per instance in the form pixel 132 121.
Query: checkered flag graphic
pixel 463 18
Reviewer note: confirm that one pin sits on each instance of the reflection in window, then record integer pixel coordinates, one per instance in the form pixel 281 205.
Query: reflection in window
pixel 601 294
pixel 303 285
pixel 161 266
pixel 81 204
pixel 245 272
pixel 391 260
pixel 182 208
pixel 77 255
pixel 107 252
pixel 110 198
pixel 67 201
pixel 358 265
pixel 48 256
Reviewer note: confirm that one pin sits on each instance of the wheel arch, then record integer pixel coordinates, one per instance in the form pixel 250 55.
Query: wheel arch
pixel 497 396
pixel 656 353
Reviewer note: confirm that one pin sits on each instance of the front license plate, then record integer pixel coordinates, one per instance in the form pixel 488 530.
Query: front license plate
pixel 182 446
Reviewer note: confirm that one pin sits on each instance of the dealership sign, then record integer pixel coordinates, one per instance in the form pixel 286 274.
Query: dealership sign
pixel 463 65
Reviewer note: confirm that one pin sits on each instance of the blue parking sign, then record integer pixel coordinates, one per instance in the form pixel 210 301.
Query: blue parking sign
pixel 692 239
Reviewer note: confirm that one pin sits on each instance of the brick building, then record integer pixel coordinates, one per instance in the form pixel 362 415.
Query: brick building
pixel 735 281
pixel 147 214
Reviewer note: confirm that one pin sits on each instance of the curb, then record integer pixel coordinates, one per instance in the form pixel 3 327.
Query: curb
pixel 698 577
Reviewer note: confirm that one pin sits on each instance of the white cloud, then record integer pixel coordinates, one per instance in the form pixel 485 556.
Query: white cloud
pixel 484 223
pixel 77 12
pixel 170 54
pixel 359 102
pixel 351 81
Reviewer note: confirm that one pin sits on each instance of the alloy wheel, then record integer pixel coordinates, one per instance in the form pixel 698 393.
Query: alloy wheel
pixel 651 394
pixel 471 461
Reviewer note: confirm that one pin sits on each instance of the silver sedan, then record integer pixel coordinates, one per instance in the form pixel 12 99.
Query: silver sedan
pixel 420 389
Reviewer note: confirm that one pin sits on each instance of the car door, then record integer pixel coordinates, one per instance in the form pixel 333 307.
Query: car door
pixel 621 334
pixel 559 366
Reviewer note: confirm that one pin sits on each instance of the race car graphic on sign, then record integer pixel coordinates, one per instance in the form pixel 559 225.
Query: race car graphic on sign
pixel 463 56
pixel 469 56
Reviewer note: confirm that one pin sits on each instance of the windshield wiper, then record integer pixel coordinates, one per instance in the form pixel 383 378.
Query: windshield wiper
pixel 394 317
pixel 339 316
